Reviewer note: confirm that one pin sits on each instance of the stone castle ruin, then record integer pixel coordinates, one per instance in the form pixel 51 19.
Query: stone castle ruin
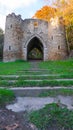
pixel 22 36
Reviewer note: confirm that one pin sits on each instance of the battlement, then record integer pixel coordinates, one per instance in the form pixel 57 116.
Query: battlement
pixel 13 15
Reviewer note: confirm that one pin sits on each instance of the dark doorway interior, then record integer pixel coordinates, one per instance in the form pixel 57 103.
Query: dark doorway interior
pixel 35 49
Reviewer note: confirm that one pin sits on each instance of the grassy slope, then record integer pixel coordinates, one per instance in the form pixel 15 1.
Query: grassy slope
pixel 11 68
pixel 58 67
pixel 6 96
pixel 62 69
pixel 51 117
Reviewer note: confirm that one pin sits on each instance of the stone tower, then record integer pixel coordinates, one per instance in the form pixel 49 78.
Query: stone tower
pixel 21 36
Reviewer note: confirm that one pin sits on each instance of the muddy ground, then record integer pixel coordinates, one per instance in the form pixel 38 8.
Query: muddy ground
pixel 14 121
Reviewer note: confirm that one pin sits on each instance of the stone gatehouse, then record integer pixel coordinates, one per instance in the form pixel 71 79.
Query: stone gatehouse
pixel 22 36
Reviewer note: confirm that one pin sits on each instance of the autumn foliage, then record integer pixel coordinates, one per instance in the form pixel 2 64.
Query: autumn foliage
pixel 63 8
pixel 45 13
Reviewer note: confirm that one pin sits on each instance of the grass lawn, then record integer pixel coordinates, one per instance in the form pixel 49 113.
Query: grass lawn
pixel 6 96
pixel 64 67
pixel 52 117
pixel 23 83
pixel 10 68
pixel 48 72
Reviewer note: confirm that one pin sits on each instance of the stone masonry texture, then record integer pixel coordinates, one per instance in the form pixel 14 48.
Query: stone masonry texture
pixel 19 34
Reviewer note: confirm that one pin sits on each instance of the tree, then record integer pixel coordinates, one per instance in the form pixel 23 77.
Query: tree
pixel 45 13
pixel 65 9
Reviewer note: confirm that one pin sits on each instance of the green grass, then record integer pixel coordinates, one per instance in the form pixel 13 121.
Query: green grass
pixel 11 68
pixel 56 70
pixel 43 83
pixel 52 117
pixel 64 67
pixel 6 96
pixel 55 92
pixel 36 77
pixel 33 72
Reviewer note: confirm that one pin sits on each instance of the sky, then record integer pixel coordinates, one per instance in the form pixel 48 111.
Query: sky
pixel 26 8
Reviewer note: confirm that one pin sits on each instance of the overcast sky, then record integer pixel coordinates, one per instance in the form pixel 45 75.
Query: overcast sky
pixel 26 8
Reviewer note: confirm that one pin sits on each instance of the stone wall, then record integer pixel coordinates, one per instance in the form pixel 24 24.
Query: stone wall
pixel 58 47
pixel 19 33
pixel 13 37
pixel 1 51
pixel 34 28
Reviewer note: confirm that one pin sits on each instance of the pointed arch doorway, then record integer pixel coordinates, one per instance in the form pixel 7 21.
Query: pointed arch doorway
pixel 35 49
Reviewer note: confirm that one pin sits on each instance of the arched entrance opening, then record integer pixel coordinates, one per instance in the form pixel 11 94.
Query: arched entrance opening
pixel 35 49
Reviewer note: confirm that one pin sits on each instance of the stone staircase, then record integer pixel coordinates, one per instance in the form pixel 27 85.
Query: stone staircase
pixel 33 77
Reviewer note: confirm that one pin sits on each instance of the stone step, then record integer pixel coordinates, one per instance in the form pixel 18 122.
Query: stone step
pixel 39 80
pixel 35 70
pixel 30 75
pixel 34 91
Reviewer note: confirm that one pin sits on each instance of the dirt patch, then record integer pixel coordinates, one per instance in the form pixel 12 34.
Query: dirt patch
pixel 14 121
